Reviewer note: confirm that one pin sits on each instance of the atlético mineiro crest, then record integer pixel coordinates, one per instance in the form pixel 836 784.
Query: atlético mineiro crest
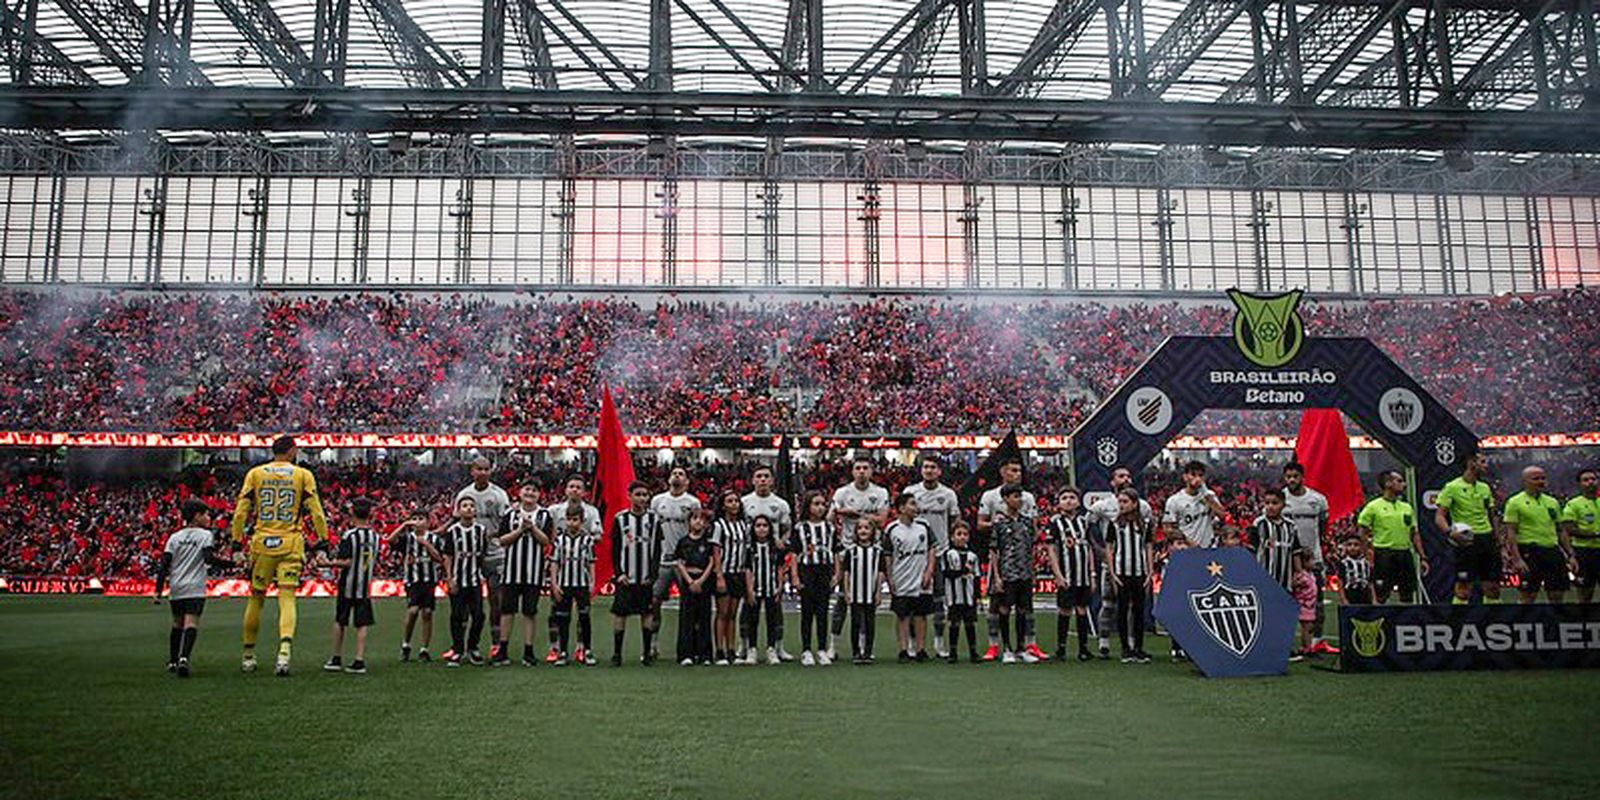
pixel 1231 615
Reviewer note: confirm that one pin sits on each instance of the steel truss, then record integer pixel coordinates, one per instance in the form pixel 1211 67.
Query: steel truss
pixel 1177 167
pixel 1471 75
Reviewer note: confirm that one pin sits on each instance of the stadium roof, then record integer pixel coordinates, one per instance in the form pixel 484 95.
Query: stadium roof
pixel 1485 75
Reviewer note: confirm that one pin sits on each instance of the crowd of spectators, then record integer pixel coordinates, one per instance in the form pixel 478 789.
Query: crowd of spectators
pixel 428 363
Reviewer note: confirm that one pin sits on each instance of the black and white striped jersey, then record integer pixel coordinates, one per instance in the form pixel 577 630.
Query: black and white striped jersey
pixel 1129 556
pixel 814 544
pixel 524 565
pixel 960 568
pixel 359 546
pixel 573 557
pixel 1275 541
pixel 417 561
pixel 1070 538
pixel 732 538
pixel 465 546
pixel 1355 573
pixel 766 565
pixel 862 565
pixel 636 546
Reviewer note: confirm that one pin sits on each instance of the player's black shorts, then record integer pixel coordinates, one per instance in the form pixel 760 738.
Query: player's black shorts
pixel 420 595
pixel 519 598
pixel 1015 594
pixel 1073 597
pixel 359 611
pixel 961 613
pixel 1546 568
pixel 1394 569
pixel 1479 560
pixel 734 586
pixel 905 606
pixel 632 599
pixel 192 605
pixel 1588 566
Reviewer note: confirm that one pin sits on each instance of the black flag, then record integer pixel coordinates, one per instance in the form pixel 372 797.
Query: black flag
pixel 785 478
pixel 985 478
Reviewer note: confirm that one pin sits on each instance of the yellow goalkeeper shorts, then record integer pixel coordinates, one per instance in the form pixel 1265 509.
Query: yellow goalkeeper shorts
pixel 283 570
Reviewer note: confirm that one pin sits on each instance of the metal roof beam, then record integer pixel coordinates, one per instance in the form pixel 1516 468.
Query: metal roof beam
pixel 796 114
pixel 272 39
pixel 786 60
pixel 34 58
pixel 733 52
pixel 1065 23
pixel 596 43
pixel 1183 42
pixel 419 57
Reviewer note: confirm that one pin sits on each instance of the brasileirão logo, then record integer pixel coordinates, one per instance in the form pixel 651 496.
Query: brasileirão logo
pixel 1268 328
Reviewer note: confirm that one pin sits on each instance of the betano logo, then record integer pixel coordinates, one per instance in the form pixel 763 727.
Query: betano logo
pixel 1368 637
pixel 1268 328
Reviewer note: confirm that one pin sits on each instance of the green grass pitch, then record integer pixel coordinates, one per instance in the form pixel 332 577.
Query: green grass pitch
pixel 91 712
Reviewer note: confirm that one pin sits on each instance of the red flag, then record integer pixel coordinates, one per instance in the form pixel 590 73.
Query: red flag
pixel 613 472
pixel 1323 449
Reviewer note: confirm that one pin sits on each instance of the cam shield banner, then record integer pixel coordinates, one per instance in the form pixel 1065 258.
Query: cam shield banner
pixel 1230 616
pixel 1450 637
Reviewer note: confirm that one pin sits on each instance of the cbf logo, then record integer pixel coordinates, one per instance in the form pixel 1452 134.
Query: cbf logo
pixel 1267 328
pixel 1444 450
pixel 1231 615
pixel 1106 451
pixel 1367 637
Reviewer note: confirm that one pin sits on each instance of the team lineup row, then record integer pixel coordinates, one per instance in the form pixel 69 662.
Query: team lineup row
pixel 735 562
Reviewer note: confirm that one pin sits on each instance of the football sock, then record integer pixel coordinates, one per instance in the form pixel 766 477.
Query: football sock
pixel 174 641
pixel 286 613
pixel 584 629
pixel 252 619
pixel 1005 632
pixel 1083 631
pixel 189 635
pixel 1063 622
pixel 616 642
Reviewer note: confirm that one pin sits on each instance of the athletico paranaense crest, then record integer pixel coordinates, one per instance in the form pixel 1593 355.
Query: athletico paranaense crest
pixel 1267 328
pixel 1232 616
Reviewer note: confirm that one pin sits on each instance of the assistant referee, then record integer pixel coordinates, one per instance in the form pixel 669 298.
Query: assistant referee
pixel 1389 527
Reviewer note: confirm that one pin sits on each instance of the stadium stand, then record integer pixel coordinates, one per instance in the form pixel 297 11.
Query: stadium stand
pixel 430 363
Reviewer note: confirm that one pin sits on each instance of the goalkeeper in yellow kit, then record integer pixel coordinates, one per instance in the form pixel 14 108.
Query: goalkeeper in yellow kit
pixel 271 506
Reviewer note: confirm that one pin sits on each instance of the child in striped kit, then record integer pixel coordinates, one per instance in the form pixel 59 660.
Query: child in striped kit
pixel 571 566
pixel 862 572
pixel 762 576
pixel 958 568
pixel 355 556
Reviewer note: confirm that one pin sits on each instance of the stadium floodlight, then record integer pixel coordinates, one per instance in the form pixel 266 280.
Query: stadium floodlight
pixel 1458 161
